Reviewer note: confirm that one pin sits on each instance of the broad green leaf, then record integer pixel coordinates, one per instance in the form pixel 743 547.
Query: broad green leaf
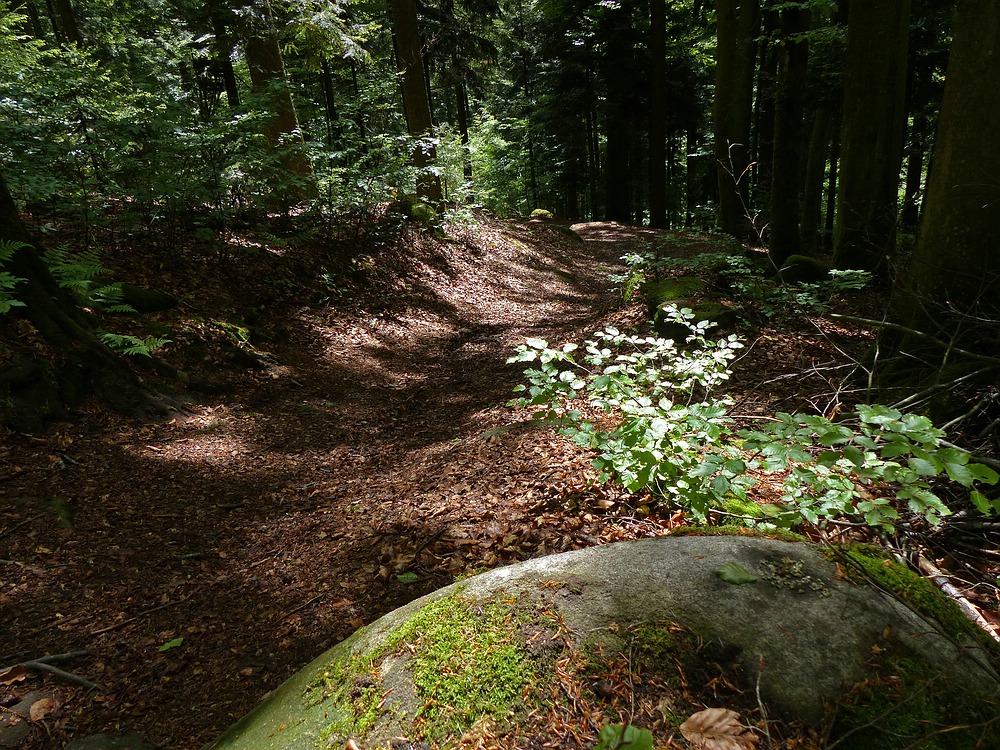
pixel 983 473
pixel 730 572
pixel 720 485
pixel 854 455
pixel 408 577
pixel 624 738
pixel 959 473
pixel 171 644
pixel 923 467
pixel 735 466
pixel 981 502
pixel 537 343
pixel 834 437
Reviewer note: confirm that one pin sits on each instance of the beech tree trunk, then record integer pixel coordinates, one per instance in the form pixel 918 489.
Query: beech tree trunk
pixel 416 104
pixel 874 123
pixel 35 391
pixel 737 23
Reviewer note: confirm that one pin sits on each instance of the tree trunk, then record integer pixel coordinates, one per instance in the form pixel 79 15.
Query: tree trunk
pixel 955 269
pixel 462 110
pixel 788 141
pixel 224 60
pixel 267 76
pixel 831 190
pixel 874 123
pixel 32 390
pixel 34 21
pixel 416 105
pixel 657 113
pixel 737 23
pixel 67 22
pixel 763 133
pixel 910 213
pixel 329 102
pixel 812 193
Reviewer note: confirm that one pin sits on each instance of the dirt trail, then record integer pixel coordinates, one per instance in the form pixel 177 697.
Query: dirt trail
pixel 353 476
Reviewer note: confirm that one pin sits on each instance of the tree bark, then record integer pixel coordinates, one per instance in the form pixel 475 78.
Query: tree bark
pixel 956 262
pixel 33 390
pixel 416 104
pixel 657 113
pixel 737 23
pixel 67 22
pixel 763 134
pixel 34 21
pixel 788 141
pixel 910 213
pixel 874 122
pixel 267 76
pixel 812 193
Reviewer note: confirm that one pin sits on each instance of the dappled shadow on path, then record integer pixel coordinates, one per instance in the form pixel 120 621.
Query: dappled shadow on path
pixel 357 473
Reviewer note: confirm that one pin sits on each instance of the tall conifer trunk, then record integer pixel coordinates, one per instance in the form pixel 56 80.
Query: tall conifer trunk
pixel 788 141
pixel 267 76
pixel 956 263
pixel 657 114
pixel 737 24
pixel 872 131
pixel 416 104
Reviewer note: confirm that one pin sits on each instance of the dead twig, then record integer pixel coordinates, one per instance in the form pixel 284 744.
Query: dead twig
pixel 136 617
pixel 45 664
pixel 948 589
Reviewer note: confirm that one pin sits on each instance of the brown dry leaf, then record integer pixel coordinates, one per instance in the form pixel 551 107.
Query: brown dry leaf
pixel 17 673
pixel 717 729
pixel 42 708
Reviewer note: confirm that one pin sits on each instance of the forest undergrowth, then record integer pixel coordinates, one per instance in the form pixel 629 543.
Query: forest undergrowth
pixel 348 446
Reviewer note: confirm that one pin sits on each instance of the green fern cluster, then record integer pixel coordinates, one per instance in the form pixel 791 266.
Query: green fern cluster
pixel 8 280
pixel 81 273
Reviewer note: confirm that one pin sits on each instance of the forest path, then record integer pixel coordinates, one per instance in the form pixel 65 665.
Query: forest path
pixel 353 476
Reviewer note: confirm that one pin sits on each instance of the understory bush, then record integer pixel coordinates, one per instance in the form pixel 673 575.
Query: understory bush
pixel 648 408
pixel 748 281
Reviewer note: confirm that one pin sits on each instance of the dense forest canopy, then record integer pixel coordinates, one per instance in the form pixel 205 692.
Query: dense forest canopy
pixel 807 128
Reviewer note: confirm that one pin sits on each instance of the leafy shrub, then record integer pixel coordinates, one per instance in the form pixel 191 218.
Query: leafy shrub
pixel 646 407
pixel 747 279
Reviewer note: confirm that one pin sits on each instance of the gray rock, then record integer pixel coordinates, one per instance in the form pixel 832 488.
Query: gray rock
pixel 805 646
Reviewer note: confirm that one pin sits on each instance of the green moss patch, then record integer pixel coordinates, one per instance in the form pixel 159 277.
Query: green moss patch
pixel 904 704
pixel 864 561
pixel 467 660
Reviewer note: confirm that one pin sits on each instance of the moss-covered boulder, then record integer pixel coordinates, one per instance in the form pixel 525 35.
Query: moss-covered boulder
pixel 802 268
pixel 645 633
pixel 709 310
pixel 146 300
pixel 672 289
pixel 541 214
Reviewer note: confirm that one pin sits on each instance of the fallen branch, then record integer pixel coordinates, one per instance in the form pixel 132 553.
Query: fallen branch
pixel 45 664
pixel 136 617
pixel 919 334
pixel 948 589
pixel 40 666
